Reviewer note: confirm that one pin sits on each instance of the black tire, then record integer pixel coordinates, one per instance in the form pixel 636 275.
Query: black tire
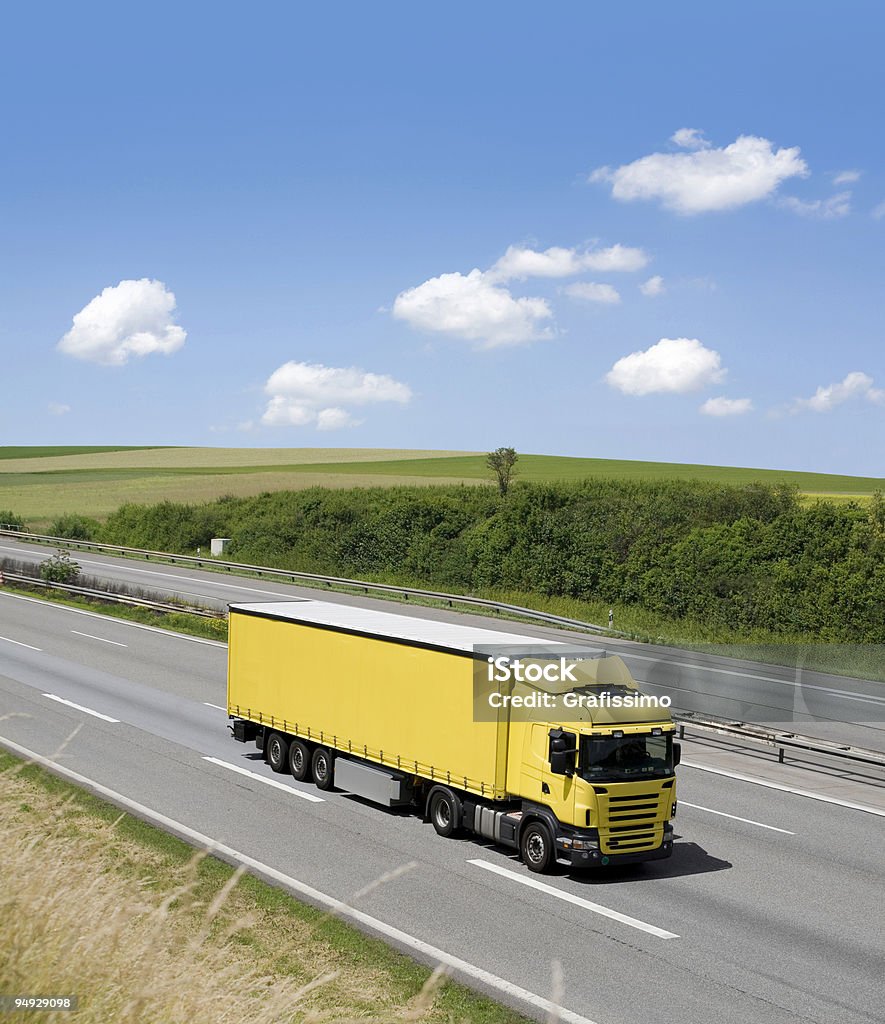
pixel 445 812
pixel 277 752
pixel 536 847
pixel 299 761
pixel 323 766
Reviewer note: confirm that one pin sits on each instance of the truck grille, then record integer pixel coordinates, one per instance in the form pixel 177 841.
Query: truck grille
pixel 632 823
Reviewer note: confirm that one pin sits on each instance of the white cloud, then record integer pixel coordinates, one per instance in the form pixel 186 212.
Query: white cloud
pixel 480 306
pixel 653 286
pixel 133 318
pixel 519 263
pixel 836 206
pixel 58 408
pixel 707 179
pixel 846 177
pixel 472 306
pixel 690 138
pixel 878 211
pixel 302 394
pixel 672 365
pixel 590 292
pixel 335 419
pixel 855 385
pixel 727 406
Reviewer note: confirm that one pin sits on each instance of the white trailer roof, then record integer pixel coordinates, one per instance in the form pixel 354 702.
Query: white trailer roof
pixel 403 628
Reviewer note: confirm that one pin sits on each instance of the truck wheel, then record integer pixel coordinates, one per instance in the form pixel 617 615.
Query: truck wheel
pixel 536 847
pixel 445 812
pixel 322 764
pixel 277 752
pixel 299 761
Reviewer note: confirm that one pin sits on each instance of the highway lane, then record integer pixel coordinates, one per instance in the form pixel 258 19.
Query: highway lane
pixel 771 926
pixel 830 707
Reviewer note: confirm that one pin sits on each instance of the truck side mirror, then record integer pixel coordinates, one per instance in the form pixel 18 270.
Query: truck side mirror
pixel 677 753
pixel 563 747
pixel 562 762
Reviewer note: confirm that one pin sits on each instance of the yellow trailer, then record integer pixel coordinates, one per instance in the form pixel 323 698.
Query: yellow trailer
pixel 484 730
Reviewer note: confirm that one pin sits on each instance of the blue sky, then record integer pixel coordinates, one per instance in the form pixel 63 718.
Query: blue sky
pixel 315 185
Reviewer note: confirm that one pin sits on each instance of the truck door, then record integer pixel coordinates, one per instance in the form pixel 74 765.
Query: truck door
pixel 557 790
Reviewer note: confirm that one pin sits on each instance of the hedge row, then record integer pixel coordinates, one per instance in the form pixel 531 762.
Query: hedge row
pixel 741 557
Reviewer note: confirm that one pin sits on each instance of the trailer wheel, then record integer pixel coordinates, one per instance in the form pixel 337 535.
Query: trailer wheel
pixel 322 764
pixel 536 847
pixel 445 812
pixel 277 752
pixel 299 760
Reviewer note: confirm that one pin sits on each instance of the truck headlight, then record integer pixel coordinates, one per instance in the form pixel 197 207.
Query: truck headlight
pixel 673 810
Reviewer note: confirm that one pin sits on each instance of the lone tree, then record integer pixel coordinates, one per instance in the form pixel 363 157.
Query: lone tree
pixel 502 462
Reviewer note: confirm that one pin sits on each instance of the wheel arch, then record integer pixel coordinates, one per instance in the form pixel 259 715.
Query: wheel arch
pixel 538 814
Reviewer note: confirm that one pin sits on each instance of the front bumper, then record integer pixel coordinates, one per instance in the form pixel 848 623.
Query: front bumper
pixel 594 858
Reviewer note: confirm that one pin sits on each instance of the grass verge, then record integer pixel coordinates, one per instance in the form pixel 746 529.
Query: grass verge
pixel 143 929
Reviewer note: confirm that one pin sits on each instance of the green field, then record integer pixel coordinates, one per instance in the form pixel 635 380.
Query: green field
pixel 26 452
pixel 540 468
pixel 42 483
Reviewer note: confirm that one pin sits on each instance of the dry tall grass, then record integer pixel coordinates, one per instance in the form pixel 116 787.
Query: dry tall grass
pixel 141 939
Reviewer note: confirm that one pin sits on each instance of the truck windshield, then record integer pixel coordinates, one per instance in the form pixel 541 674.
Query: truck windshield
pixel 625 757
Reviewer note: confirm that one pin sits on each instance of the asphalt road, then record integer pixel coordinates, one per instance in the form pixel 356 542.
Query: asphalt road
pixel 769 911
pixel 832 707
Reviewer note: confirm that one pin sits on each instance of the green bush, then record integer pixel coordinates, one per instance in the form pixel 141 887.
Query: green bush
pixel 10 519
pixel 60 568
pixel 75 527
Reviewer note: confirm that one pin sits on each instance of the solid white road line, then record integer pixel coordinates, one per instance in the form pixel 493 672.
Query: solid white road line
pixel 847 695
pixel 111 618
pixel 315 896
pixel 639 657
pixel 784 789
pixel 749 675
pixel 217 706
pixel 268 782
pixel 104 640
pixel 79 707
pixel 578 901
pixel 18 643
pixel 734 817
pixel 223 582
pixel 865 700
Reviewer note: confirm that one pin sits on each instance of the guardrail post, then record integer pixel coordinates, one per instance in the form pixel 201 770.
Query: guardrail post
pixel 780 755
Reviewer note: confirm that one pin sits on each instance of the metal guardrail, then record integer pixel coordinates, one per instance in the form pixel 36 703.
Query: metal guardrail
pixel 309 577
pixel 739 730
pixel 106 595
pixel 781 741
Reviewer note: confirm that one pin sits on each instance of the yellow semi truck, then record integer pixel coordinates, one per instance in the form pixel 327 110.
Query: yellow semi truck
pixel 547 748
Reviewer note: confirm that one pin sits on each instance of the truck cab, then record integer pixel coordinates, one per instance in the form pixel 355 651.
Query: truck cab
pixel 610 790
